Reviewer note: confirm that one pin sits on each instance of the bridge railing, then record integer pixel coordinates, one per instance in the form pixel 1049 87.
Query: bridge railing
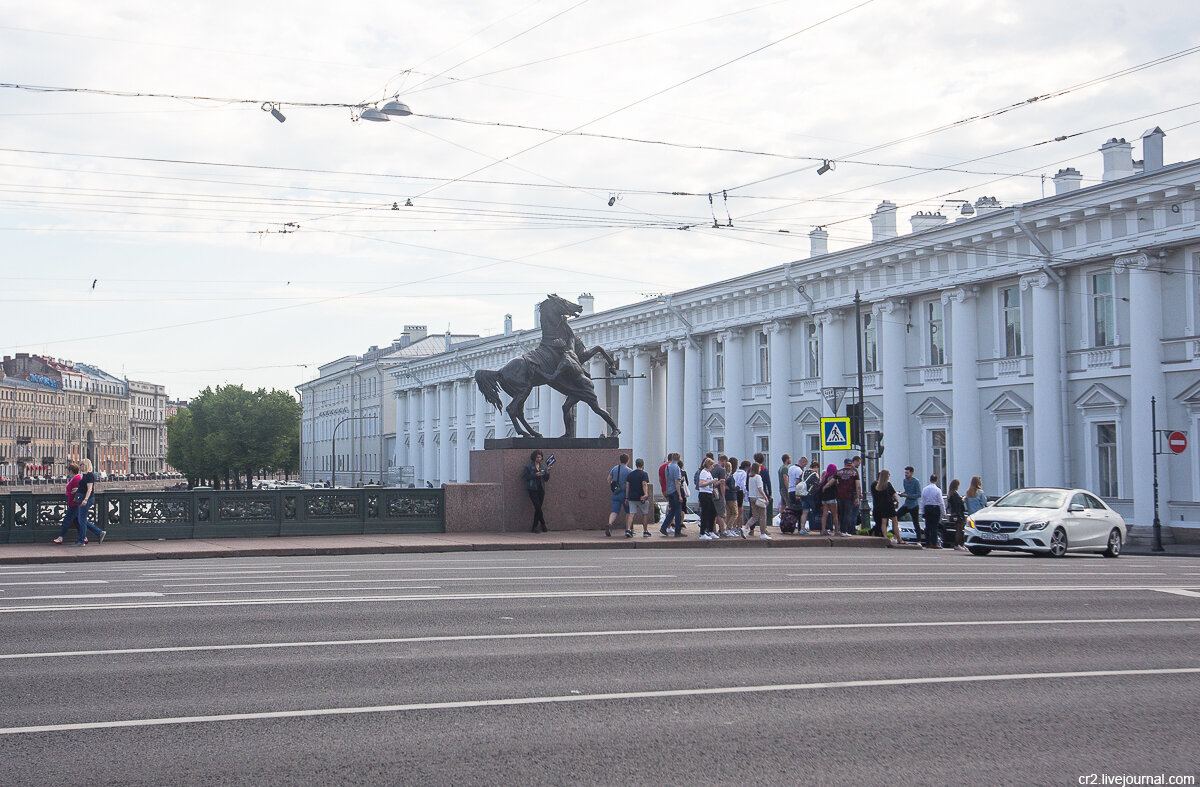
pixel 207 513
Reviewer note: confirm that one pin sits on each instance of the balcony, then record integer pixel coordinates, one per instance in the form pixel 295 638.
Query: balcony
pixel 928 375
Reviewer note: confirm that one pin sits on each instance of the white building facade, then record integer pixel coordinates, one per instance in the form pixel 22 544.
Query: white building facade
pixel 1022 344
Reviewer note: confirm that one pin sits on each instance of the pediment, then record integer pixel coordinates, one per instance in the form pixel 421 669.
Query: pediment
pixel 1008 403
pixel 809 416
pixel 760 418
pixel 1098 395
pixel 933 407
pixel 715 421
pixel 1190 395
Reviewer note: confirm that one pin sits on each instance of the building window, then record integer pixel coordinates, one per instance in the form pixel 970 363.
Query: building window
pixel 1104 318
pixel 868 335
pixel 937 338
pixel 1014 438
pixel 814 451
pixel 718 445
pixel 1010 302
pixel 764 357
pixel 718 363
pixel 812 341
pixel 764 446
pixel 937 453
pixel 1106 456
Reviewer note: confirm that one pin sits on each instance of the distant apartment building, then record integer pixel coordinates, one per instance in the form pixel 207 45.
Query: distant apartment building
pixel 147 427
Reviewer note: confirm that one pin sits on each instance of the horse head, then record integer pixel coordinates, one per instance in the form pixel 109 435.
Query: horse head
pixel 554 306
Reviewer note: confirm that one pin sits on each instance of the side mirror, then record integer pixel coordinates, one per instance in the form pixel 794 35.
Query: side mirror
pixel 1076 508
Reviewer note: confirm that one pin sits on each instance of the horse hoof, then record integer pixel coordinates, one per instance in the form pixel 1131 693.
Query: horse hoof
pixel 614 433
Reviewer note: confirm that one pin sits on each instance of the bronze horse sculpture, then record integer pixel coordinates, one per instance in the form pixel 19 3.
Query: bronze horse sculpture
pixel 557 361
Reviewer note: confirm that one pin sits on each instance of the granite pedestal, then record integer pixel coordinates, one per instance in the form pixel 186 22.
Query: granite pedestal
pixel 577 494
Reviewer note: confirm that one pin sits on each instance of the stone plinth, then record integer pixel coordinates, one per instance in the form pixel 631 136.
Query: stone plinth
pixel 474 507
pixel 577 495
pixel 548 444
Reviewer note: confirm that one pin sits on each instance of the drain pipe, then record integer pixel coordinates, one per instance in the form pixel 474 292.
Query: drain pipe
pixel 1062 335
pixel 800 288
pixel 665 300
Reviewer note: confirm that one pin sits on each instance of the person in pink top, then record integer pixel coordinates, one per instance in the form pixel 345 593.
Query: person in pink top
pixel 72 517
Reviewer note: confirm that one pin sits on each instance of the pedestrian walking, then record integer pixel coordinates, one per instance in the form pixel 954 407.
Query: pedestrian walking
pixel 808 487
pixel 785 467
pixel 616 486
pixel 911 508
pixel 975 498
pixel 883 505
pixel 741 475
pixel 759 501
pixel 637 494
pixel 706 488
pixel 829 508
pixel 662 484
pixel 958 514
pixel 795 472
pixel 933 505
pixel 849 493
pixel 765 474
pixel 86 495
pixel 70 518
pixel 673 485
pixel 720 474
pixel 536 474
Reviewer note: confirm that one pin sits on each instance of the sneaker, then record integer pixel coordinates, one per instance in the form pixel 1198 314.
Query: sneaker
pixel 705 537
pixel 58 540
pixel 103 533
pixel 79 544
pixel 742 533
pixel 663 530
pixel 607 531
pixel 629 534
pixel 765 537
pixel 646 534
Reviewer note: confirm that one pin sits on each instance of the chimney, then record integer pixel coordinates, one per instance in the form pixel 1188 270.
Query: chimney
pixel 1152 149
pixel 449 340
pixel 588 302
pixel 922 221
pixel 508 325
pixel 537 316
pixel 1118 159
pixel 883 221
pixel 986 205
pixel 818 242
pixel 1067 180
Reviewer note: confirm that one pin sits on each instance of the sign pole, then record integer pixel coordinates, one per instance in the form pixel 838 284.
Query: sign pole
pixel 860 436
pixel 1157 547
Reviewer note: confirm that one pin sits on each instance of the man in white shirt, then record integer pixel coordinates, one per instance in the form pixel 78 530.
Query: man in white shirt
pixel 795 472
pixel 933 506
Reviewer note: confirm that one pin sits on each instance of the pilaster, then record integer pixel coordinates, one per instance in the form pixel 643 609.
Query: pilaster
pixel 1047 438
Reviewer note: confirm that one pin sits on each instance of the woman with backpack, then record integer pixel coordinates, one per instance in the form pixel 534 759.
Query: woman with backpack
pixel 829 505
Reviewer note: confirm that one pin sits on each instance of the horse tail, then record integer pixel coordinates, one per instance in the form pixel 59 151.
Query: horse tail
pixel 488 382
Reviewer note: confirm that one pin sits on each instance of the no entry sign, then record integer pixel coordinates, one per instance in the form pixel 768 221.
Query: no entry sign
pixel 1177 442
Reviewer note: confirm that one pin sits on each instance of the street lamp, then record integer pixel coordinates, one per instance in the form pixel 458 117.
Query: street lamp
pixel 333 447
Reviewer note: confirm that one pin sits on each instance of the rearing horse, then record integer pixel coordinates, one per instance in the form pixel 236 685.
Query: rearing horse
pixel 558 362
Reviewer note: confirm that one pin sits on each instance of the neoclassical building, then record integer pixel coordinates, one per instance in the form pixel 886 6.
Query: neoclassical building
pixel 1022 343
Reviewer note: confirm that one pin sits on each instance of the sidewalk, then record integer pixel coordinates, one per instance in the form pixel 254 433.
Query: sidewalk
pixel 16 554
pixel 13 554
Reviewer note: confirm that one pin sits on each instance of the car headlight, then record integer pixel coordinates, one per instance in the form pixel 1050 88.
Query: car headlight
pixel 1036 526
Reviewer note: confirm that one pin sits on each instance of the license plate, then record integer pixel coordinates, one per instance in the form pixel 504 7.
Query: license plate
pixel 994 536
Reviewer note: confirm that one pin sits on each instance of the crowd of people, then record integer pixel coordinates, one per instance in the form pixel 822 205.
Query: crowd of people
pixel 735 499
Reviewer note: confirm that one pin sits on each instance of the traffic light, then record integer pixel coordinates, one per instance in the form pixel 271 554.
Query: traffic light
pixel 853 412
pixel 878 436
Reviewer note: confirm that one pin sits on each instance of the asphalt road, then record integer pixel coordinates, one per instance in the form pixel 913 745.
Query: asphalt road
pixel 671 667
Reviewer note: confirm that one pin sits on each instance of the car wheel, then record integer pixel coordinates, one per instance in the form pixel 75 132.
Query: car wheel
pixel 981 551
pixel 1058 543
pixel 1114 544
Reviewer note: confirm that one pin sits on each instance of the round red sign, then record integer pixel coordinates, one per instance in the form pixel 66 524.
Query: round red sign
pixel 1177 442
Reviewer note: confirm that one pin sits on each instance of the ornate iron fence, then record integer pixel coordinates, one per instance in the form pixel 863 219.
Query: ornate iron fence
pixel 207 513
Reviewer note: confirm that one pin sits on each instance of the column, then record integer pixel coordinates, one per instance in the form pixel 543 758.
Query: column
pixel 428 405
pixel 657 451
pixel 625 402
pixel 1047 438
pixel 674 394
pixel 1146 379
pixel 735 418
pixel 413 413
pixel 642 404
pixel 693 412
pixel 891 321
pixel 446 454
pixel 401 399
pixel 588 424
pixel 966 450
pixel 550 416
pixel 481 411
pixel 833 352
pixel 462 393
pixel 781 392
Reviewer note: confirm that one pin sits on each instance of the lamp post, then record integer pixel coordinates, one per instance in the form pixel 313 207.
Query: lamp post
pixel 859 427
pixel 333 448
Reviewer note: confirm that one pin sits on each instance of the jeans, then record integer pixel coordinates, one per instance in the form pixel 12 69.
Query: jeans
pixel 69 520
pixel 537 496
pixel 911 514
pixel 933 518
pixel 848 515
pixel 82 520
pixel 674 512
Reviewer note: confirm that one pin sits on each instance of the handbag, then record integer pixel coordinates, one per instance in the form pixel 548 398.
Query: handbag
pixel 78 498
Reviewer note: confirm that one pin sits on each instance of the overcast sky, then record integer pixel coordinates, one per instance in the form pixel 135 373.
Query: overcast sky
pixel 194 242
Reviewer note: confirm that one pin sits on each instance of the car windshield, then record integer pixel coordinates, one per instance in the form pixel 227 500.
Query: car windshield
pixel 1032 498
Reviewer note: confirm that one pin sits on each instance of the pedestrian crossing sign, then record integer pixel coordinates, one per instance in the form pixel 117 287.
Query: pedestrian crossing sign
pixel 835 434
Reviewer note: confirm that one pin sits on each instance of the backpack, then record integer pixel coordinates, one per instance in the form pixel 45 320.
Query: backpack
pixel 787 521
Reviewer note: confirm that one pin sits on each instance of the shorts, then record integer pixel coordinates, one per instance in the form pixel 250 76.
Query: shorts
pixel 731 509
pixel 639 506
pixel 619 506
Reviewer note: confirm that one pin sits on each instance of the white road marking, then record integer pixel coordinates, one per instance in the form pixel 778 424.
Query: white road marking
pixel 27 573
pixel 609 697
pixel 631 593
pixel 299 572
pixel 602 633
pixel 324 581
pixel 58 582
pixel 81 595
pixel 985 574
pixel 1179 592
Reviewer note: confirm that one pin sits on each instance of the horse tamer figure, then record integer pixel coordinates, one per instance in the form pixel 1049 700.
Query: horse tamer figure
pixel 557 362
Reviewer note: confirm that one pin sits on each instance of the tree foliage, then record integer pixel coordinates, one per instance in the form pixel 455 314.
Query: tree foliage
pixel 230 431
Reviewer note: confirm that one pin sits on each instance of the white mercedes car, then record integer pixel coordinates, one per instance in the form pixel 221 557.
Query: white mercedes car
pixel 1046 520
